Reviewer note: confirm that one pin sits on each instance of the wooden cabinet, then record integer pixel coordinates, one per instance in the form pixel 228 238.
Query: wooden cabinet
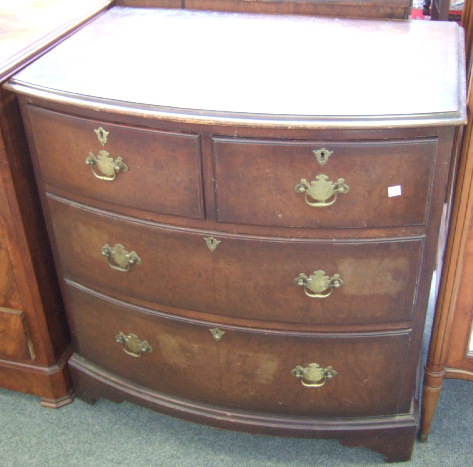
pixel 255 254
pixel 34 344
pixel 394 9
pixel 451 345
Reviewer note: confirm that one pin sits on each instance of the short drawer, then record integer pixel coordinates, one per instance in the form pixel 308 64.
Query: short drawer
pixel 324 184
pixel 126 166
pixel 244 277
pixel 241 368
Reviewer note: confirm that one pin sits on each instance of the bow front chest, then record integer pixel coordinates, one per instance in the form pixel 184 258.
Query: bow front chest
pixel 244 211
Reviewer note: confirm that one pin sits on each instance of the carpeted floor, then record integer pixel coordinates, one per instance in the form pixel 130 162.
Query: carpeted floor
pixel 108 434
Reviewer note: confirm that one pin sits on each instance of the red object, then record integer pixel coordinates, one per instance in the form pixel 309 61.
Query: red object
pixel 418 14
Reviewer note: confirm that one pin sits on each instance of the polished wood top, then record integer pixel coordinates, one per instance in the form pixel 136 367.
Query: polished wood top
pixel 262 69
pixel 26 26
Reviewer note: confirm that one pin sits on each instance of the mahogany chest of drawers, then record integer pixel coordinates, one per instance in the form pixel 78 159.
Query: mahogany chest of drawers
pixel 246 224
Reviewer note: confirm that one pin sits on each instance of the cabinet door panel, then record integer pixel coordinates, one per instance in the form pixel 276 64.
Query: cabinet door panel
pixel 9 293
pixel 15 340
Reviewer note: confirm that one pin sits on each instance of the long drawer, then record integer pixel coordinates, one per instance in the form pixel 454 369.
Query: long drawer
pixel 238 367
pixel 352 184
pixel 122 165
pixel 288 280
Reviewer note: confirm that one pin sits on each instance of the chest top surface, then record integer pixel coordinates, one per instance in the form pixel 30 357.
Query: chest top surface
pixel 227 66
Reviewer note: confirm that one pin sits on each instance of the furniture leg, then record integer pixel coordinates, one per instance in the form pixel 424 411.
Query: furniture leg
pixel 432 388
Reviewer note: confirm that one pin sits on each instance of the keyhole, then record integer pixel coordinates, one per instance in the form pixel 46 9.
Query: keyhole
pixel 102 135
pixel 322 155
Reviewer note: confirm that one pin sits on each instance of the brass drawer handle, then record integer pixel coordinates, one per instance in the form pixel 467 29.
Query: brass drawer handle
pixel 120 259
pixel 318 285
pixel 107 166
pixel 132 345
pixel 322 192
pixel 313 376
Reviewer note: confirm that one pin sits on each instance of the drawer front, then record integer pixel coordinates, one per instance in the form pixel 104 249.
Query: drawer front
pixel 245 369
pixel 296 281
pixel 356 184
pixel 161 171
pixel 173 269
pixel 243 277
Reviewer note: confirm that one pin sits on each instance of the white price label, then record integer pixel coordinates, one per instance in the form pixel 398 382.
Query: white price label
pixel 394 191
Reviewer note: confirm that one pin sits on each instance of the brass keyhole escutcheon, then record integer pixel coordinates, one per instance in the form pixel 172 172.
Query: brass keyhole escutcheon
pixel 102 135
pixel 217 334
pixel 313 375
pixel 212 243
pixel 322 155
pixel 318 284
